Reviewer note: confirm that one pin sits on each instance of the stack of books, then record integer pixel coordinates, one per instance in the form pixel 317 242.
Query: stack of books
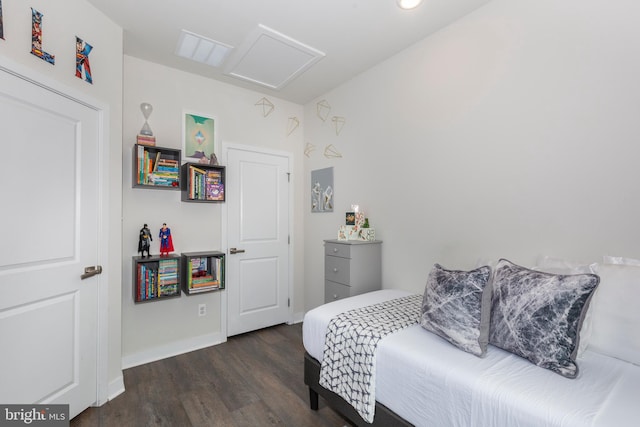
pixel 166 172
pixel 205 274
pixel 146 140
pixel 167 277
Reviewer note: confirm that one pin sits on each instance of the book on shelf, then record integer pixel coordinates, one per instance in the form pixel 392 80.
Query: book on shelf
pixel 214 186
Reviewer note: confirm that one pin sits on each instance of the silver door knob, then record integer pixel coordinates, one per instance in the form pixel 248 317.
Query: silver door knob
pixel 91 271
pixel 235 251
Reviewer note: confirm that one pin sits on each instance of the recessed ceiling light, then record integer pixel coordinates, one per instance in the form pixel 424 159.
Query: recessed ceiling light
pixel 409 4
pixel 201 49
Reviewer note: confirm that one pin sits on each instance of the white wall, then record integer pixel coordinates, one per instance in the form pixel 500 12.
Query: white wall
pixel 153 330
pixel 511 133
pixel 61 23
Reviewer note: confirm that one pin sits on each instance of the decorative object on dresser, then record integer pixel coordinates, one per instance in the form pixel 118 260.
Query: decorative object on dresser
pixel 351 268
pixel 356 226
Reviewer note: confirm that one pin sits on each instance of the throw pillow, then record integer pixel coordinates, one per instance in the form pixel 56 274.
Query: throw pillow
pixel 562 266
pixel 538 315
pixel 456 307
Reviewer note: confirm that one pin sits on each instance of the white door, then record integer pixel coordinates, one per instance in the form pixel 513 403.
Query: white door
pixel 49 204
pixel 257 261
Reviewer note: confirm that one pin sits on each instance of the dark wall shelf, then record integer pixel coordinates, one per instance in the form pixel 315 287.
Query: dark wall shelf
pixel 202 271
pixel 156 168
pixel 202 183
pixel 156 278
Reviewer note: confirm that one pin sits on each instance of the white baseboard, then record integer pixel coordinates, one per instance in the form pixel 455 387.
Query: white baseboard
pixel 172 349
pixel 116 387
pixel 297 318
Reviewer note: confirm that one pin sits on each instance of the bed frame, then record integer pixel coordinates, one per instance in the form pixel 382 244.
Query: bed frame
pixel 384 417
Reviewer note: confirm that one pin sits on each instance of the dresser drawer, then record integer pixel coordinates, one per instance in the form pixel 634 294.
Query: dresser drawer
pixel 335 291
pixel 337 249
pixel 336 269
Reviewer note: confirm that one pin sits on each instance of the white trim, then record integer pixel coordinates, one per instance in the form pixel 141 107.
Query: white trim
pixel 36 78
pixel 296 318
pixel 225 152
pixel 173 349
pixel 116 387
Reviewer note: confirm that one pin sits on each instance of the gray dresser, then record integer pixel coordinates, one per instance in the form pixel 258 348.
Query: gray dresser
pixel 351 267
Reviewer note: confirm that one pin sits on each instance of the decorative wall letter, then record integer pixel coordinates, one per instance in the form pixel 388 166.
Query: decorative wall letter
pixel 1 23
pixel 82 59
pixel 36 38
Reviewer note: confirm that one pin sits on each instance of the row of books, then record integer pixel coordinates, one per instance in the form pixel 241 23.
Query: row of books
pixel 205 184
pixel 206 274
pixel 157 280
pixel 155 170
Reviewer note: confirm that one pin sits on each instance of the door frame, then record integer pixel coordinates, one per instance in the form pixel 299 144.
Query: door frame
pixel 102 109
pixel 226 146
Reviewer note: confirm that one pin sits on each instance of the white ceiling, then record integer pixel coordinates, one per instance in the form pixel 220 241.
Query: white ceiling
pixel 354 35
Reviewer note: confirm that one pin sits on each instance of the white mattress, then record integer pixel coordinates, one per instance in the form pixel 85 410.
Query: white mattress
pixel 427 381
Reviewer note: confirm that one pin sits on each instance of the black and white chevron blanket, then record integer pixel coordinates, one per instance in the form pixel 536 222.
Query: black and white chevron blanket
pixel 349 357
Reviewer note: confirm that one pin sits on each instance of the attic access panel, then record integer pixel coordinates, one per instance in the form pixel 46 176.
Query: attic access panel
pixel 271 59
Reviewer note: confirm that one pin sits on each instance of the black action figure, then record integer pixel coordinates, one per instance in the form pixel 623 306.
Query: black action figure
pixel 144 242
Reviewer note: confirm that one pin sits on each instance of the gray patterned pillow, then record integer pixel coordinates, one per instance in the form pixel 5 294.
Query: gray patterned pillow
pixel 538 315
pixel 456 307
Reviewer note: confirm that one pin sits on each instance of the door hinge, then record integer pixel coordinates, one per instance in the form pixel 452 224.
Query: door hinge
pixel 288 177
pixel 288 302
pixel 289 239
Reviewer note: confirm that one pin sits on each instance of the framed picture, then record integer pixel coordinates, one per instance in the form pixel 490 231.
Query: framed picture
pixel 198 137
pixel 322 190
pixel 350 218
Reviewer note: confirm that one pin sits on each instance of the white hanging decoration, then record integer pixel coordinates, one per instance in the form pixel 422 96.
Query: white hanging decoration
pixel 292 125
pixel 267 106
pixel 330 152
pixel 322 109
pixel 338 122
pixel 308 149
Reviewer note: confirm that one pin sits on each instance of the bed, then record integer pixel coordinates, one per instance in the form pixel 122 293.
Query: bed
pixel 423 380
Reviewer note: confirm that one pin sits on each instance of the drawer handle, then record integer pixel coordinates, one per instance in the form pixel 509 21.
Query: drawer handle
pixel 335 250
pixel 335 270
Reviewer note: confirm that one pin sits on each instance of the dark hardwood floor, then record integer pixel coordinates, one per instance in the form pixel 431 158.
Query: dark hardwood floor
pixel 254 379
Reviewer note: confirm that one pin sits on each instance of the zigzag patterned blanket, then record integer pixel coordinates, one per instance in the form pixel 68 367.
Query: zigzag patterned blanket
pixel 349 358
